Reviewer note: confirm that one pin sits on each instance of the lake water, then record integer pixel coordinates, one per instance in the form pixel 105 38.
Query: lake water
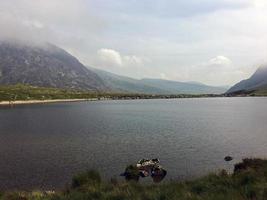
pixel 42 146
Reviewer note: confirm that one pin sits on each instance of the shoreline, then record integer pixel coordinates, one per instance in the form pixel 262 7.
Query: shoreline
pixel 25 102
pixel 22 102
pixel 246 181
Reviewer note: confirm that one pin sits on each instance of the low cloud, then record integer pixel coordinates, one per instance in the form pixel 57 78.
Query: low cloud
pixel 111 58
pixel 219 60
pixel 163 76
pixel 260 3
pixel 132 60
pixel 217 70
pixel 207 40
pixel 39 21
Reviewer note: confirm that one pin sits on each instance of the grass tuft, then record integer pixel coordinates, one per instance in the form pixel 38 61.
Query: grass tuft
pixel 248 182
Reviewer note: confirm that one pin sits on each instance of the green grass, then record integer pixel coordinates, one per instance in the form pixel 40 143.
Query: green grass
pixel 28 92
pixel 247 182
pixel 262 92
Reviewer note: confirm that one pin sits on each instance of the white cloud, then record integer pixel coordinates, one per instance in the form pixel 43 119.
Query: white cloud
pixel 260 3
pixel 49 21
pixel 33 23
pixel 132 60
pixel 109 58
pixel 216 71
pixel 220 60
pixel 145 39
pixel 163 76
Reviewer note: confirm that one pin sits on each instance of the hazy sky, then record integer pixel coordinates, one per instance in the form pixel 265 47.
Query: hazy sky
pixel 217 42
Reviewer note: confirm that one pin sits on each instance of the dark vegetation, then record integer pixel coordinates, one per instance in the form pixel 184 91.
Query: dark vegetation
pixel 260 92
pixel 247 182
pixel 27 92
pixel 248 93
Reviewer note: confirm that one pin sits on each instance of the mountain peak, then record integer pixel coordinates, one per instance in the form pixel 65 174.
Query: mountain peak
pixel 44 65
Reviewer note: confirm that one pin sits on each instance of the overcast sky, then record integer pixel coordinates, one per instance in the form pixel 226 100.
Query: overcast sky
pixel 217 42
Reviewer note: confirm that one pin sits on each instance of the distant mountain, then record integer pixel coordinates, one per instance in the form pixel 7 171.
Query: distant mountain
pixel 258 81
pixel 50 66
pixel 175 87
pixel 125 84
pixel 45 65
pixel 155 86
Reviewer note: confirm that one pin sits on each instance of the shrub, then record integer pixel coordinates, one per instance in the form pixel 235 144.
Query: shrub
pixel 86 178
pixel 132 173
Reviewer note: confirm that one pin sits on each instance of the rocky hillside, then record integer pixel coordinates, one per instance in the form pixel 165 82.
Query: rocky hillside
pixel 257 82
pixel 46 66
pixel 50 66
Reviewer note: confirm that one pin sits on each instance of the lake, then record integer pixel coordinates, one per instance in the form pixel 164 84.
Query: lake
pixel 42 146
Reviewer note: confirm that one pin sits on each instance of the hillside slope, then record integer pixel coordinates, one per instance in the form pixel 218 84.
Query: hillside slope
pixel 257 82
pixel 174 87
pixel 126 84
pixel 154 86
pixel 50 66
pixel 45 66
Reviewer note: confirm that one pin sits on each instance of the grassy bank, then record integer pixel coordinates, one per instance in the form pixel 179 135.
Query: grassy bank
pixel 248 181
pixel 252 93
pixel 27 92
pixel 260 93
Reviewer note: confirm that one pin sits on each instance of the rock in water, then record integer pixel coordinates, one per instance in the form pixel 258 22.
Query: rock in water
pixel 228 158
pixel 145 168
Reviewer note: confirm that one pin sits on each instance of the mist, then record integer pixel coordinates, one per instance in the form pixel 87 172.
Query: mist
pixel 205 41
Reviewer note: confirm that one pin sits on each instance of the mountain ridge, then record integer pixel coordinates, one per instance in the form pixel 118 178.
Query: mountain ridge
pixel 257 81
pixel 158 86
pixel 47 65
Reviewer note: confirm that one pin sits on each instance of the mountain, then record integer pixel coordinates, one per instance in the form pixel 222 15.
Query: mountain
pixel 155 86
pixel 125 84
pixel 175 87
pixel 257 82
pixel 184 87
pixel 45 65
pixel 50 66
